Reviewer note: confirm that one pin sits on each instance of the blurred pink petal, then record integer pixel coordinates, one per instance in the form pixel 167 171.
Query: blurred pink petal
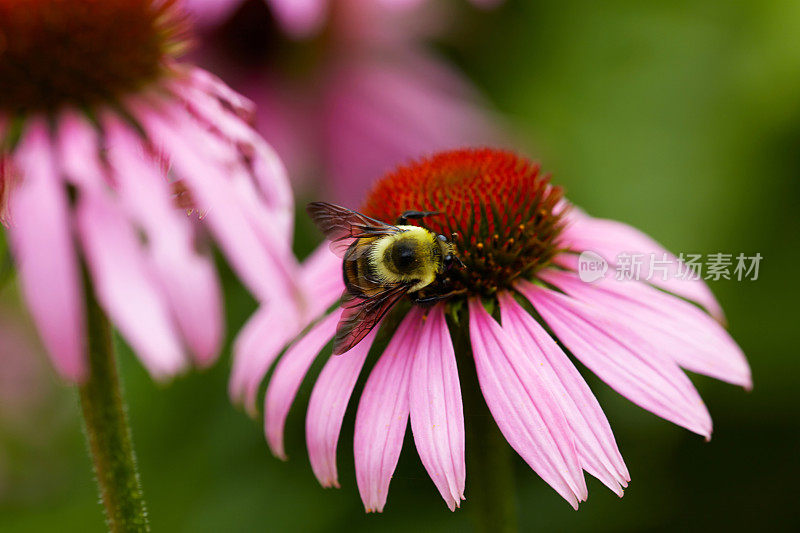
pixel 321 276
pixel 608 238
pixel 78 145
pixel 679 329
pixel 266 177
pixel 206 173
pixel 288 376
pixel 186 278
pixel 41 239
pixel 300 18
pixel 381 113
pixel 437 415
pixel 327 406
pixel 266 334
pixel 210 12
pixel 594 439
pixel 622 358
pixel 125 288
pixel 382 414
pixel 523 406
pixel 257 346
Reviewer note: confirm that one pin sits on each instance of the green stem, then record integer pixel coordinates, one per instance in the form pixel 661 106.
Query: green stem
pixel 107 429
pixel 490 476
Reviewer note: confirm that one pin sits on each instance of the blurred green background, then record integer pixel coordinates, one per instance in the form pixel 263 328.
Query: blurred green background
pixel 681 118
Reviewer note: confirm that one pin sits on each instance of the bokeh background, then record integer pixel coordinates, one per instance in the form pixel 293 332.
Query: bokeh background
pixel 681 118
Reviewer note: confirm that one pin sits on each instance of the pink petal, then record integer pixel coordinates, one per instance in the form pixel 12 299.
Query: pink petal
pixel 276 324
pixel 79 146
pixel 187 279
pixel 257 346
pixel 382 414
pixel 300 18
pixel 204 164
pixel 266 171
pixel 682 331
pixel 240 105
pixel 437 414
pixel 124 287
pixel 327 406
pixel 594 440
pixel 523 406
pixel 321 275
pixel 42 242
pixel 609 237
pixel 288 376
pixel 621 358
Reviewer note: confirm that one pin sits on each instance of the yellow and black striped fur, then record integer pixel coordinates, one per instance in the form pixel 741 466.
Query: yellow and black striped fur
pixel 381 264
pixel 413 257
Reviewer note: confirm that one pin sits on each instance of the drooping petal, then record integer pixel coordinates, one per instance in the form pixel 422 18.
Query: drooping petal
pixel 265 177
pixel 621 358
pixel 204 164
pixel 679 329
pixel 187 279
pixel 327 406
pixel 257 346
pixel 274 326
pixel 382 414
pixel 124 286
pixel 43 245
pixel 609 238
pixel 79 146
pixel 437 414
pixel 288 376
pixel 523 406
pixel 594 439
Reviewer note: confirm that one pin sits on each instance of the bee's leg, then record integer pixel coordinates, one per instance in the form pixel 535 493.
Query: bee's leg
pixel 416 215
pixel 425 301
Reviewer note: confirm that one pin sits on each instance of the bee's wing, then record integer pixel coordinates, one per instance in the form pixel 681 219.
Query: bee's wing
pixel 360 315
pixel 342 226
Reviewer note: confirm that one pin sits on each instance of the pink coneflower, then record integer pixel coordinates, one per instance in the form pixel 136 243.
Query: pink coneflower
pixel 343 104
pixel 519 308
pixel 106 141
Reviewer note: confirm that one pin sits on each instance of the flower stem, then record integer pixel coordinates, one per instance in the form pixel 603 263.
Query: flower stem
pixel 490 475
pixel 107 429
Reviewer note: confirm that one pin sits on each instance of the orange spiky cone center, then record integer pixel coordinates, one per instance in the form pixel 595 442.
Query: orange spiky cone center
pixel 504 212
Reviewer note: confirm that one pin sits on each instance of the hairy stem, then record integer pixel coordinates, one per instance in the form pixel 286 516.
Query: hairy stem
pixel 490 476
pixel 107 429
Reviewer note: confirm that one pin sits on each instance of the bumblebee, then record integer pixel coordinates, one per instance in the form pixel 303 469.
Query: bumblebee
pixel 381 264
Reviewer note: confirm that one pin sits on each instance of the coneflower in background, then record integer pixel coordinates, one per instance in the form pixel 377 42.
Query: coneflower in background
pixel 344 88
pixel 106 141
pixel 523 309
